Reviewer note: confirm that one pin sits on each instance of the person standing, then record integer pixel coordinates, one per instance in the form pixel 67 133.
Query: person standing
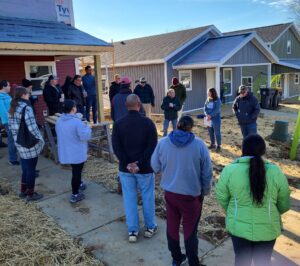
pixel 185 165
pixel 212 110
pixel 53 95
pixel 72 143
pixel 134 138
pixel 89 84
pixel 65 87
pixel 114 88
pixel 180 92
pixel 145 93
pixel 246 108
pixel 20 109
pixel 5 101
pixel 254 194
pixel 78 94
pixel 171 106
pixel 32 98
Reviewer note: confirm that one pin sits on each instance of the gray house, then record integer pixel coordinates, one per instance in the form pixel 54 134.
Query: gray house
pixel 201 58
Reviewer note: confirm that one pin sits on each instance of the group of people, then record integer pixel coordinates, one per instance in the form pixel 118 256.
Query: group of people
pixel 253 192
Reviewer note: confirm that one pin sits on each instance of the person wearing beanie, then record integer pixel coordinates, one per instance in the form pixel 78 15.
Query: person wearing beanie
pixel 32 98
pixel 145 93
pixel 180 92
pixel 185 165
pixel 53 95
pixel 72 143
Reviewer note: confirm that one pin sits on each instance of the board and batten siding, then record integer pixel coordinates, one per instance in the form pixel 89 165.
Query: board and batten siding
pixel 154 74
pixel 294 89
pixel 280 47
pixel 249 54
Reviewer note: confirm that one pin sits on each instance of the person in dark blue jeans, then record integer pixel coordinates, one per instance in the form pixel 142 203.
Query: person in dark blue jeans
pixel 246 108
pixel 212 110
pixel 89 85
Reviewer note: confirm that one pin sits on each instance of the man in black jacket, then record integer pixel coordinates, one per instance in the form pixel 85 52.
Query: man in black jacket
pixel 134 139
pixel 145 93
pixel 246 108
pixel 115 87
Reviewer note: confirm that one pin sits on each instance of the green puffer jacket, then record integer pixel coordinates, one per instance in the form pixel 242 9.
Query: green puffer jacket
pixel 245 219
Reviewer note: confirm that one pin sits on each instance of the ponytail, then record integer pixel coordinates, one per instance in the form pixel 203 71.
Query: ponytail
pixel 257 177
pixel 255 146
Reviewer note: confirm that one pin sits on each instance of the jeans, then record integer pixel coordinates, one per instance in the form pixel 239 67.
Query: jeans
pixel 130 183
pixel 188 209
pixel 12 150
pixel 80 109
pixel 247 251
pixel 248 129
pixel 28 175
pixel 166 125
pixel 76 177
pixel 215 131
pixel 91 102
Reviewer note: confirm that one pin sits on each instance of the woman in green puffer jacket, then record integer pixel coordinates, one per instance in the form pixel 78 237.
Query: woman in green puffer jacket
pixel 254 193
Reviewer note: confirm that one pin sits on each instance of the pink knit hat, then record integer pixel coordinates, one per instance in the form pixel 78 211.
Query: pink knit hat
pixel 125 80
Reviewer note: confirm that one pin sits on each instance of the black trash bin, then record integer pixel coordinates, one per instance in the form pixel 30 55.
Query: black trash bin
pixel 276 99
pixel 266 99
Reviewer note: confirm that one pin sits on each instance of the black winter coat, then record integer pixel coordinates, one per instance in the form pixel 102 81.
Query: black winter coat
pixel 145 93
pixel 52 97
pixel 171 113
pixel 114 89
pixel 76 94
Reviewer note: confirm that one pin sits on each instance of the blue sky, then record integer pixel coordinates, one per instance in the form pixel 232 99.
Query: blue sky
pixel 127 19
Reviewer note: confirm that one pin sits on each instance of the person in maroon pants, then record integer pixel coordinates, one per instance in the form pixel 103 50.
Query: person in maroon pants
pixel 185 164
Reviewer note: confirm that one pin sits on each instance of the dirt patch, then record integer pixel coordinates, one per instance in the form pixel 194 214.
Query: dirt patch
pixel 29 237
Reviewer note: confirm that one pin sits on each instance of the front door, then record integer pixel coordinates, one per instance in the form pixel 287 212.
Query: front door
pixel 210 78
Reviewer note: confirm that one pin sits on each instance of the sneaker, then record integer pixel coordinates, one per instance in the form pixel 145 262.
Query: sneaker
pixel 212 147
pixel 77 197
pixel 133 237
pixel 183 261
pixel 35 196
pixel 3 145
pixel 22 195
pixel 218 149
pixel 14 163
pixel 150 232
pixel 82 186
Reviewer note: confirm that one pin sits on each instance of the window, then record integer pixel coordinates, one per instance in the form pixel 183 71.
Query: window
pixel 185 77
pixel 248 82
pixel 38 73
pixel 227 81
pixel 289 47
pixel 296 78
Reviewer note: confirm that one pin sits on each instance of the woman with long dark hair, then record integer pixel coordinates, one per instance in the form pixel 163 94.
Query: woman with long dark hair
pixel 65 87
pixel 53 95
pixel 21 108
pixel 254 193
pixel 77 93
pixel 212 110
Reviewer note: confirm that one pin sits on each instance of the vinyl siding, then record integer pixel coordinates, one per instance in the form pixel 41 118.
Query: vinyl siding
pixel 249 54
pixel 280 47
pixel 294 89
pixel 154 75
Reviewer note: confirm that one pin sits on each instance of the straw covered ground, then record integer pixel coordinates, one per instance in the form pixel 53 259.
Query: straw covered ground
pixel 212 223
pixel 29 237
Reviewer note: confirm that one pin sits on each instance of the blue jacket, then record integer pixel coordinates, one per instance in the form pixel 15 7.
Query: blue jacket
pixel 246 109
pixel 185 164
pixel 72 138
pixel 5 100
pixel 89 84
pixel 118 108
pixel 213 108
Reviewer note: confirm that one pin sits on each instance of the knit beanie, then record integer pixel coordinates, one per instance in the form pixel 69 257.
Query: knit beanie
pixel 175 81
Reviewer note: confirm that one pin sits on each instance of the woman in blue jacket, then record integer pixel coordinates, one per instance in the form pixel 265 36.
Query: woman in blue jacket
pixel 72 142
pixel 212 110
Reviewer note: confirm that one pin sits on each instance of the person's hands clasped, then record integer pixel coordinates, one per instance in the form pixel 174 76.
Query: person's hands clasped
pixel 133 168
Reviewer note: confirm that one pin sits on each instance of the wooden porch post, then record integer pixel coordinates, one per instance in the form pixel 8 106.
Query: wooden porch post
pixel 218 82
pixel 98 79
pixel 269 76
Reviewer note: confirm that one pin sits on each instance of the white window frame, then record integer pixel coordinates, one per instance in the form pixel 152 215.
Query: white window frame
pixel 28 64
pixel 247 77
pixel 289 47
pixel 228 69
pixel 296 78
pixel 191 77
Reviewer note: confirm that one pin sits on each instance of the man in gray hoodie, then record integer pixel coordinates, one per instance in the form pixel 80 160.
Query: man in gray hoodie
pixel 185 164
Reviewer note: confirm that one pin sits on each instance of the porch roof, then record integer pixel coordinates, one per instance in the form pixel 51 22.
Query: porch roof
pixel 292 63
pixel 32 36
pixel 213 50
